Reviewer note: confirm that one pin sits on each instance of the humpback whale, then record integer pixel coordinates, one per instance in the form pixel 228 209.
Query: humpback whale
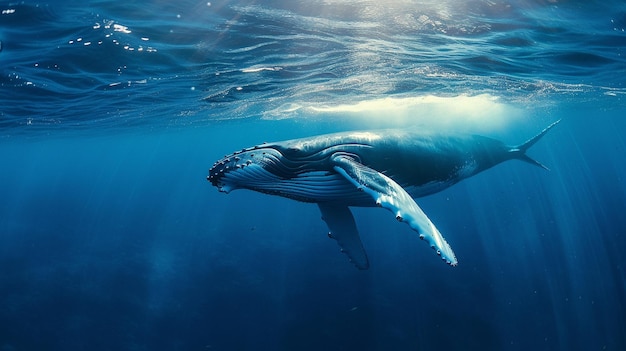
pixel 386 168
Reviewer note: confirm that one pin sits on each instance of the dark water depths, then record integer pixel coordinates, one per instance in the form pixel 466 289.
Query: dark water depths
pixel 112 112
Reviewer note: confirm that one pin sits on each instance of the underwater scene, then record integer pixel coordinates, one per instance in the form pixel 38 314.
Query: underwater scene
pixel 257 175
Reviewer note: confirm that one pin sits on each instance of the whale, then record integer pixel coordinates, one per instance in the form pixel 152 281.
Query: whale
pixel 370 168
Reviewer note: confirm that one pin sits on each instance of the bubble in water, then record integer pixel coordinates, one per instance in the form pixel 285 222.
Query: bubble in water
pixel 121 28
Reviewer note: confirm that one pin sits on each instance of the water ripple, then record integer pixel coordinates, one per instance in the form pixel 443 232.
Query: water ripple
pixel 121 63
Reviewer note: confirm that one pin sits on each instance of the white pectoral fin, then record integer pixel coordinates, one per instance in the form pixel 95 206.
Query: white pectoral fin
pixel 388 194
pixel 343 229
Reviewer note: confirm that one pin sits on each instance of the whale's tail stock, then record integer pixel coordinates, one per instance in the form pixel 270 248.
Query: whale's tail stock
pixel 519 151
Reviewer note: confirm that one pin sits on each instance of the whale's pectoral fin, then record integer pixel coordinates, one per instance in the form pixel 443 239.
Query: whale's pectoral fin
pixel 343 229
pixel 388 194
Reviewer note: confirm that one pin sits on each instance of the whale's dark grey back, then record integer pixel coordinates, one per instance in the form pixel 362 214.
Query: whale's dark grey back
pixel 413 159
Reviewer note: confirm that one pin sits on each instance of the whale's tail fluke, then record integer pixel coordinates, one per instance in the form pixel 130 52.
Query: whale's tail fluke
pixel 519 152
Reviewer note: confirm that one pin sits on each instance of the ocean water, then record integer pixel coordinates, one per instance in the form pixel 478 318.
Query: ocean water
pixel 112 112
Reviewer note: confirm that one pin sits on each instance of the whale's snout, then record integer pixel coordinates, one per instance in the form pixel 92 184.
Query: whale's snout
pixel 249 168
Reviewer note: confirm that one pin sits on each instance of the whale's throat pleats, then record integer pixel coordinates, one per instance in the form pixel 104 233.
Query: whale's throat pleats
pixel 315 186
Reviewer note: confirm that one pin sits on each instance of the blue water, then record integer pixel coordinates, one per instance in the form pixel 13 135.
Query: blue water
pixel 111 113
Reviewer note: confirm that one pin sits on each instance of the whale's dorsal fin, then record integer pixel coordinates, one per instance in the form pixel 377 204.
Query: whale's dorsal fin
pixel 343 229
pixel 388 194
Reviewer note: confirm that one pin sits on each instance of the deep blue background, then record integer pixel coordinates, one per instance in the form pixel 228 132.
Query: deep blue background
pixel 112 239
pixel 118 242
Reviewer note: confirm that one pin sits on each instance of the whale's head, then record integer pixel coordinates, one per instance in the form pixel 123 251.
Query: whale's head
pixel 252 168
pixel 299 169
pixel 293 170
